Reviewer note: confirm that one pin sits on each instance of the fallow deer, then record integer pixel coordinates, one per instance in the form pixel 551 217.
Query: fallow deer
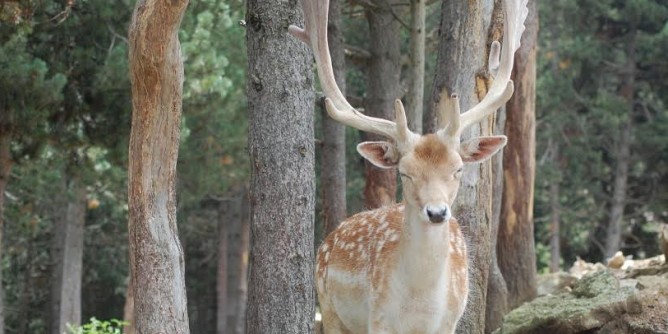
pixel 404 268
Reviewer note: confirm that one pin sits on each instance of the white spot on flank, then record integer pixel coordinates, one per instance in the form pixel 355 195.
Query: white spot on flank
pixel 379 247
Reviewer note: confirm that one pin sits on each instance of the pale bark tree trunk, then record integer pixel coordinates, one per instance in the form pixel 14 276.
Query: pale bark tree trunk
pixel 461 68
pixel 5 168
pixel 281 295
pixel 68 258
pixel 415 95
pixel 238 242
pixel 613 238
pixel 333 164
pixel 515 248
pixel 384 73
pixel 156 256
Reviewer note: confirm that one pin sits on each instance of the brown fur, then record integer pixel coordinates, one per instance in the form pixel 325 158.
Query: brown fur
pixel 431 150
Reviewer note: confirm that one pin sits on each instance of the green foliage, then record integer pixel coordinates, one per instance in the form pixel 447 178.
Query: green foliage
pixel 29 92
pixel 95 326
pixel 584 53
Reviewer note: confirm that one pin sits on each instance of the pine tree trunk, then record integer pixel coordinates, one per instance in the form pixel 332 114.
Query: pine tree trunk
pixel 613 238
pixel 415 93
pixel 333 164
pixel 281 296
pixel 233 246
pixel 238 238
pixel 383 88
pixel 461 68
pixel 156 256
pixel 555 218
pixel 227 215
pixel 5 168
pixel 68 258
pixel 515 248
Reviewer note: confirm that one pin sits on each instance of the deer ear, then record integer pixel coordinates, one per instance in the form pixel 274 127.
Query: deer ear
pixel 479 149
pixel 380 153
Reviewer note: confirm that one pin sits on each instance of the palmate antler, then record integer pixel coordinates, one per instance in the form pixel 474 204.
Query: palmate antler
pixel 315 35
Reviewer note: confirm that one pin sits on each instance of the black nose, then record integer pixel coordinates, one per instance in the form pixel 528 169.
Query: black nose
pixel 437 215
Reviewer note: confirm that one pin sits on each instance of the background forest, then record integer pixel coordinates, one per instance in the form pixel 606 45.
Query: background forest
pixel 601 143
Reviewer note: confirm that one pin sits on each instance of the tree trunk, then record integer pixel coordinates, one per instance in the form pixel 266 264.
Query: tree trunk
pixel 555 217
pixel 5 168
pixel 515 248
pixel 68 258
pixel 461 68
pixel 280 107
pixel 383 88
pixel 232 262
pixel 227 216
pixel 497 291
pixel 415 93
pixel 237 253
pixel 129 308
pixel 613 238
pixel 156 256
pixel 333 164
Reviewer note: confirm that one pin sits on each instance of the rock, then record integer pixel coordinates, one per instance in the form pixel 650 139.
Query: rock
pixel 652 298
pixel 595 284
pixel 616 261
pixel 596 301
pixel 581 268
pixel 554 283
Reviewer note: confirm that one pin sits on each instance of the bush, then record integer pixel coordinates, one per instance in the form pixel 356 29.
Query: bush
pixel 113 326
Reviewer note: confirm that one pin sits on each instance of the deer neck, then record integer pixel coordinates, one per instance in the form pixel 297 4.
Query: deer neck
pixel 423 251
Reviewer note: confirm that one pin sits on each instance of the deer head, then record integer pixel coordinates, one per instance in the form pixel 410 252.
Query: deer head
pixel 430 165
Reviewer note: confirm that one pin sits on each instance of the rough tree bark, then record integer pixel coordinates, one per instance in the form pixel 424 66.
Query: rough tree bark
pixel 67 258
pixel 515 246
pixel 281 296
pixel 613 239
pixel 415 94
pixel 461 68
pixel 384 73
pixel 156 256
pixel 5 168
pixel 333 164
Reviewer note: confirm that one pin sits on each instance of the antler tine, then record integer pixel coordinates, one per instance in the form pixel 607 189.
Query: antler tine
pixel 315 35
pixel 502 87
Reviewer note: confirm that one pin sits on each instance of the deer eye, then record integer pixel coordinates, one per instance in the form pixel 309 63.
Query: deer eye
pixel 459 172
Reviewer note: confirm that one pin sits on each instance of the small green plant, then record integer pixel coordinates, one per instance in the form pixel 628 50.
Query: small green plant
pixel 94 326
